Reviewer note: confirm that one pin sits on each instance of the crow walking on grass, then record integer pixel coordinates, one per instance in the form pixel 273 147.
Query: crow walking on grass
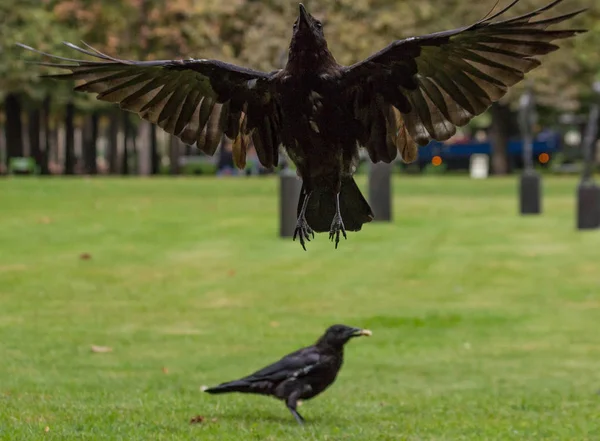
pixel 411 92
pixel 300 375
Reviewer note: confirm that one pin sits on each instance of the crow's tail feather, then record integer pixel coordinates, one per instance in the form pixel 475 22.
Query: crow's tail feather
pixel 242 386
pixel 320 210
pixel 232 386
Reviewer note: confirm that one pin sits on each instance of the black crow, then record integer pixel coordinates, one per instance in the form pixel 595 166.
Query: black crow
pixel 300 375
pixel 409 93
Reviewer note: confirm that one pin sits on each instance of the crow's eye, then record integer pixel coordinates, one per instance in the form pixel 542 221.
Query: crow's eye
pixel 318 24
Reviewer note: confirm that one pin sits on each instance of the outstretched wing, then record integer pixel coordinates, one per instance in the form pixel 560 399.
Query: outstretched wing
pixel 196 100
pixel 421 88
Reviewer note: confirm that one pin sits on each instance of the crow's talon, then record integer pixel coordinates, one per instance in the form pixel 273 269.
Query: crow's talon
pixel 303 232
pixel 337 227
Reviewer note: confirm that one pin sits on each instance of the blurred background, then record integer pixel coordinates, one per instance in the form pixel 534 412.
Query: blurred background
pixel 121 296
pixel 67 133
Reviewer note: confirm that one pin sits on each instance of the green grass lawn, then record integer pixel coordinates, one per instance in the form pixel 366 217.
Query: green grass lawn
pixel 486 325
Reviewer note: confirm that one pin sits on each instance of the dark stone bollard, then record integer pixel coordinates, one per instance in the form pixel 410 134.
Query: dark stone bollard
pixel 588 193
pixel 531 192
pixel 380 191
pixel 290 186
pixel 588 206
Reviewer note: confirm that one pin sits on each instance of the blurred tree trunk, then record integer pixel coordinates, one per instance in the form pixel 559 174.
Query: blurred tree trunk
pixel 45 154
pixel 174 152
pixel 154 154
pixel 14 135
pixel 113 143
pixel 34 126
pixel 148 156
pixel 133 145
pixel 126 136
pixel 2 149
pixel 69 139
pixel 499 132
pixel 56 142
pixel 90 142
pixel 144 150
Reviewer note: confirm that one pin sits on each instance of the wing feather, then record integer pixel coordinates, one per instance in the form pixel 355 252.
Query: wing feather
pixel 296 364
pixel 437 82
pixel 198 101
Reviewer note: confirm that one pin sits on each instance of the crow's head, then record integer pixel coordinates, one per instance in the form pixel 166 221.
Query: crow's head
pixel 308 41
pixel 338 335
pixel 308 29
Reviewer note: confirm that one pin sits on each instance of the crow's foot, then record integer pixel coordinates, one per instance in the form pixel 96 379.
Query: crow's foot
pixel 337 227
pixel 303 231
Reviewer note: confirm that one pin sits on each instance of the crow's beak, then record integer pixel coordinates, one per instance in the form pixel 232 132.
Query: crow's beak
pixel 361 332
pixel 303 17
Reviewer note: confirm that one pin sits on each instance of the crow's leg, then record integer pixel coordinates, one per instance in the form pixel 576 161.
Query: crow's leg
pixel 291 402
pixel 298 417
pixel 303 230
pixel 337 225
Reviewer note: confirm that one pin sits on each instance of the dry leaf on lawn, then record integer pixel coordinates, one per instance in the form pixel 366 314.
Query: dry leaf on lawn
pixel 101 349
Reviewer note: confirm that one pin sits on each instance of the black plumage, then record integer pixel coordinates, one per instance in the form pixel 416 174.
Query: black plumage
pixel 300 375
pixel 409 93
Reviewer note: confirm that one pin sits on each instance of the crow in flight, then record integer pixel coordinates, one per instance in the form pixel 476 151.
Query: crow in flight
pixel 411 92
pixel 300 375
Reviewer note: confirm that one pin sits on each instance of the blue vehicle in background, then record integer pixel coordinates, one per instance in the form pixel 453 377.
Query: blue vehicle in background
pixel 457 156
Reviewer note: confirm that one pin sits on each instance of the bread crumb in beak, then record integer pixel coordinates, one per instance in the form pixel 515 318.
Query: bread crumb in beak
pixel 366 333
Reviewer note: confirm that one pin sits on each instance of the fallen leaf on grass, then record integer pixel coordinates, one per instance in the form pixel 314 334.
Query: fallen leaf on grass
pixel 85 256
pixel 165 370
pixel 197 419
pixel 46 429
pixel 101 349
pixel 231 273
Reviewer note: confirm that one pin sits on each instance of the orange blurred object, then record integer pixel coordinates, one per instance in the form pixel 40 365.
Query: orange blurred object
pixel 436 160
pixel 544 158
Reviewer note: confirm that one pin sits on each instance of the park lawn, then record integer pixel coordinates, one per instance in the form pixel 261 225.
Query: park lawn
pixel 486 325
